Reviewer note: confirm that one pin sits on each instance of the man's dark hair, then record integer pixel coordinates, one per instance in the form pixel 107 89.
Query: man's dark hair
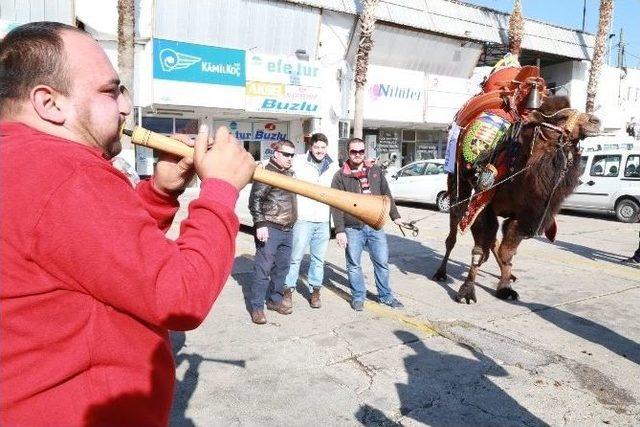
pixel 31 55
pixel 278 145
pixel 318 137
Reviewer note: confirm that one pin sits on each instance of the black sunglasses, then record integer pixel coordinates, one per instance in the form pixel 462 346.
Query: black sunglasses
pixel 284 153
pixel 354 152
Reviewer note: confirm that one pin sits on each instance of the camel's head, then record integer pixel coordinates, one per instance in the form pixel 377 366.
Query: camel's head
pixel 555 114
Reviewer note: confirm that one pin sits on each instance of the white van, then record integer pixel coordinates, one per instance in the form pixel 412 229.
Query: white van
pixel 610 182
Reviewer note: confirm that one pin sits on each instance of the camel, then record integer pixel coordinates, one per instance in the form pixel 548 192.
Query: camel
pixel 545 169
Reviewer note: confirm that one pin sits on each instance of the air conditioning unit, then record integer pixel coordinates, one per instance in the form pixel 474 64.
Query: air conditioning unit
pixel 344 129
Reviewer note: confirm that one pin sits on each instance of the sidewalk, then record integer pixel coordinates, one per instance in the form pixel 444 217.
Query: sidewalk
pixel 567 353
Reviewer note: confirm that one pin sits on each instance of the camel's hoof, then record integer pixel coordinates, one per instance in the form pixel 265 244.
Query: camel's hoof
pixel 440 276
pixel 467 292
pixel 507 293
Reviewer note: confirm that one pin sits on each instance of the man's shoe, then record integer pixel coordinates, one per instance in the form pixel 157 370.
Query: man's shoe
pixel 632 260
pixel 357 305
pixel 392 302
pixel 258 317
pixel 287 299
pixel 314 301
pixel 280 308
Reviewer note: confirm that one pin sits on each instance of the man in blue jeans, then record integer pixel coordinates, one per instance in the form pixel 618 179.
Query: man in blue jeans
pixel 274 213
pixel 360 176
pixel 312 229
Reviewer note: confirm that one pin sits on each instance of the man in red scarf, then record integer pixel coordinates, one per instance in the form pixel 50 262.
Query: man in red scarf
pixel 360 176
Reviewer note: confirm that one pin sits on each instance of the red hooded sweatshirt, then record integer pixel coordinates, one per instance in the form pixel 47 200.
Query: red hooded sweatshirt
pixel 91 285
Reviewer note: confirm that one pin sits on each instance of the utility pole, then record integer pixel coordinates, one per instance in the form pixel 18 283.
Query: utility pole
pixel 584 13
pixel 621 49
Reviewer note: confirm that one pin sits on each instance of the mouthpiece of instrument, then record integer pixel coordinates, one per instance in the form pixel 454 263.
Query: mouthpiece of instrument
pixel 127 132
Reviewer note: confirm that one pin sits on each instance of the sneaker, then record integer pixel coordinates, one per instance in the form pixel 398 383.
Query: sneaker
pixel 357 305
pixel 258 317
pixel 314 301
pixel 287 299
pixel 392 302
pixel 280 308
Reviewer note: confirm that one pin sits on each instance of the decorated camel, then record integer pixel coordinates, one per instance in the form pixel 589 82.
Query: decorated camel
pixel 513 153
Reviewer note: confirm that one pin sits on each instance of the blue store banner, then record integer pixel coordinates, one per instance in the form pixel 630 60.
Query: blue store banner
pixel 188 62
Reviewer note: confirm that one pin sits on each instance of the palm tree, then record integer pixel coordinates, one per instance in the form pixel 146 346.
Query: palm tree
pixel 367 25
pixel 516 28
pixel 126 51
pixel 604 22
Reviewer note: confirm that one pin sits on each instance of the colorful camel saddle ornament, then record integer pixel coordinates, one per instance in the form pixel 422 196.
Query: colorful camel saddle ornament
pixel 478 140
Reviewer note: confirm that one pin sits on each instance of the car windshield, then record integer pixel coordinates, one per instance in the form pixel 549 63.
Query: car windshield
pixel 415 169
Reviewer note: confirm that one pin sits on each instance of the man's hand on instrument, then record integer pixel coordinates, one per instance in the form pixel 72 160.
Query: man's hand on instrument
pixel 262 234
pixel 172 173
pixel 341 238
pixel 226 159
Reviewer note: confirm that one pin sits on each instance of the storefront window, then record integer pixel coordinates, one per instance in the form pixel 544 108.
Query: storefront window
pixel 187 126
pixel 158 124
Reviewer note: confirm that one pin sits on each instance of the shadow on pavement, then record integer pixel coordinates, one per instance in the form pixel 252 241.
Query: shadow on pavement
pixel 449 390
pixel 185 388
pixel 589 253
pixel 583 328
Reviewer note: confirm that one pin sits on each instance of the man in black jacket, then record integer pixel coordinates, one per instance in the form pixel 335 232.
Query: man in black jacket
pixel 274 213
pixel 359 176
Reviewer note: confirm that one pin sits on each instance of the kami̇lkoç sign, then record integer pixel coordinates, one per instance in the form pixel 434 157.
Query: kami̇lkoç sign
pixel 199 75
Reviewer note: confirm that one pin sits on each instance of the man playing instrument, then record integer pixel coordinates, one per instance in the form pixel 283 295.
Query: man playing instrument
pixel 90 283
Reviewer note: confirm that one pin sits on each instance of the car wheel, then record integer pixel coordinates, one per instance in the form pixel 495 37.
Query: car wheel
pixel 442 201
pixel 628 210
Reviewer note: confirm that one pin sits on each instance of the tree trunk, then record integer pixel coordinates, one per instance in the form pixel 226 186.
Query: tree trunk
pixel 126 53
pixel 367 25
pixel 606 10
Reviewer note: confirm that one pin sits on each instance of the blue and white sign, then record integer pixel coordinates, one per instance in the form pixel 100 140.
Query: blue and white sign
pixel 188 62
pixel 194 74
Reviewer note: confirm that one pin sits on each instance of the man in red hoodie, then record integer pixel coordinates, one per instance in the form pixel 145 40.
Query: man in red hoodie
pixel 90 284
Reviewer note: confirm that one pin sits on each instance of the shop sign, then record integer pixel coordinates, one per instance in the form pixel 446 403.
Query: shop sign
pixel 247 131
pixel 394 94
pixel 196 63
pixel 284 70
pixel 199 75
pixel 388 141
pixel 278 98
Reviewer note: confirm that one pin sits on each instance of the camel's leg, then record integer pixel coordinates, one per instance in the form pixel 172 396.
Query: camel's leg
pixel 484 232
pixel 510 241
pixel 455 215
pixel 494 251
pixel 441 273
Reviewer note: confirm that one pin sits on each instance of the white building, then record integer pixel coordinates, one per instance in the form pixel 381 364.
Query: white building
pixel 284 68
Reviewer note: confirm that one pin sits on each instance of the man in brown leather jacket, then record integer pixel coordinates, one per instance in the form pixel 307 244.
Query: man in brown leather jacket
pixel 274 213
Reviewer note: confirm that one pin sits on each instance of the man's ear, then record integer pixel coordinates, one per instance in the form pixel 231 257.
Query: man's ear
pixel 47 103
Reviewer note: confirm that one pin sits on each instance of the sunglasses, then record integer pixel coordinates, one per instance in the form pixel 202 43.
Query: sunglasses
pixel 289 155
pixel 355 152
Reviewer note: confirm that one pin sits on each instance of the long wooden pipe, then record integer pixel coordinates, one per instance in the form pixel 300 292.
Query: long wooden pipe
pixel 370 209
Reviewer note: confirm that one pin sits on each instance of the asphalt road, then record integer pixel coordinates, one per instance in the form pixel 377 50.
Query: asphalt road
pixel 566 353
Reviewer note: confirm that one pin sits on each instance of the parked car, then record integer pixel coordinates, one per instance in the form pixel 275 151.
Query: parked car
pixel 610 183
pixel 423 181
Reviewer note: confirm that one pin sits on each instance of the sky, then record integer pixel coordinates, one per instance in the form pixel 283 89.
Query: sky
pixel 568 13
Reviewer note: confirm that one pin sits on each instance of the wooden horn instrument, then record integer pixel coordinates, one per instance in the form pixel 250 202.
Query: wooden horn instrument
pixel 370 209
